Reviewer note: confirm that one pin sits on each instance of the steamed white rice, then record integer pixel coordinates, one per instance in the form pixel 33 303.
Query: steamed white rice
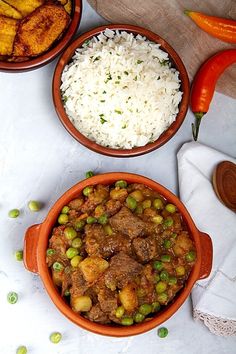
pixel 120 90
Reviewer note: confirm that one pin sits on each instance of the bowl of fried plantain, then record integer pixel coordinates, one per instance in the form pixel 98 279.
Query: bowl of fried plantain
pixel 34 32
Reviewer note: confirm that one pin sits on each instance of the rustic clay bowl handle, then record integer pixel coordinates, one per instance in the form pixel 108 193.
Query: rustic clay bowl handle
pixel 30 248
pixel 207 255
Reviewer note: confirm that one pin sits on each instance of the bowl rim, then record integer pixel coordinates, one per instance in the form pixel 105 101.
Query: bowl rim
pixel 92 145
pixel 49 55
pixel 44 272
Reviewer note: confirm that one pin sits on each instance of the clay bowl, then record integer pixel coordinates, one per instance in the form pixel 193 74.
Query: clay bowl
pixel 36 244
pixel 57 48
pixel 167 135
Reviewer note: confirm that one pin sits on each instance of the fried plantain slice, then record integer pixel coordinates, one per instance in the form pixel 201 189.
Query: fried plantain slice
pixel 9 11
pixel 63 2
pixel 25 7
pixel 68 7
pixel 39 30
pixel 8 29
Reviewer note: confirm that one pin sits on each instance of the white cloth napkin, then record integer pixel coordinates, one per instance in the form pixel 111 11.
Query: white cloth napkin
pixel 213 298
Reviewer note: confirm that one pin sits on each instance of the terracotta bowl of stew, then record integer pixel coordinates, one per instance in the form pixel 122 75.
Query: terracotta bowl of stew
pixel 176 63
pixel 57 47
pixel 36 244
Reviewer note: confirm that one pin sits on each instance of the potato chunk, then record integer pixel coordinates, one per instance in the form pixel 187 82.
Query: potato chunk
pixel 81 303
pixel 57 277
pixel 128 298
pixel 92 268
pixel 183 244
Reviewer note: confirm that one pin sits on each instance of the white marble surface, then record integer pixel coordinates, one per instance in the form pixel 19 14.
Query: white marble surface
pixel 40 160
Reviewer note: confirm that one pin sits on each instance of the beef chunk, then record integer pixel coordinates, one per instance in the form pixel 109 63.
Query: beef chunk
pixel 60 244
pixel 107 300
pixel 127 223
pixel 105 246
pixel 97 315
pixel 79 285
pixel 145 248
pixel 112 207
pixel 123 270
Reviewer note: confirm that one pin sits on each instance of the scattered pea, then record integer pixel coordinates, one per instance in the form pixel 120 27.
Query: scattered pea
pixel 65 210
pixel 79 225
pixel 180 271
pixel 171 208
pixel 89 174
pixel 12 297
pixel 157 219
pixel 87 191
pixel 77 242
pixel 162 298
pixel 145 309
pixel 103 219
pixel 146 204
pixel 120 311
pixel 158 265
pixel 164 275
pixel 121 184
pixel 139 317
pixel 166 258
pixel 34 205
pixel 131 202
pixel 190 256
pixel 162 332
pixel 158 204
pixel 50 252
pixel 63 219
pixel 172 281
pixel 167 244
pixel 57 266
pixel 21 350
pixel 91 220
pixel 71 252
pixel 75 261
pixel 168 222
pixel 161 287
pixel 156 306
pixel 19 255
pixel 14 213
pixel 55 337
pixel 127 321
pixel 70 233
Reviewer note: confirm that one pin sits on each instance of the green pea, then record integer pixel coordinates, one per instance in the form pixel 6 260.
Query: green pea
pixel 91 220
pixel 87 191
pixel 156 306
pixel 161 287
pixel 71 252
pixel 89 174
pixel 164 275
pixel 158 204
pixel 67 292
pixel 120 311
pixel 33 205
pixel 63 219
pixel 79 225
pixel 162 332
pixel 57 266
pixel 190 256
pixel 127 321
pixel 180 271
pixel 158 265
pixel 131 202
pixel 12 297
pixel 162 298
pixel 158 219
pixel 156 277
pixel 14 213
pixel 65 210
pixel 103 219
pixel 171 208
pixel 172 281
pixel 70 233
pixel 50 252
pixel 21 350
pixel 168 222
pixel 121 184
pixel 166 258
pixel 55 337
pixel 146 204
pixel 77 242
pixel 174 235
pixel 138 317
pixel 75 261
pixel 145 309
pixel 167 244
pixel 19 255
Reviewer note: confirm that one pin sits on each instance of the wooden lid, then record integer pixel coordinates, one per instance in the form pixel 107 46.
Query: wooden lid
pixel 224 183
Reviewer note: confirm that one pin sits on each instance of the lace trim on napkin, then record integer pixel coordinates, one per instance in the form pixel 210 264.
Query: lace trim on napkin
pixel 217 325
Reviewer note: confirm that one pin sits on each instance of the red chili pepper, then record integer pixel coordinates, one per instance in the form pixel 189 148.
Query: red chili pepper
pixel 222 28
pixel 204 83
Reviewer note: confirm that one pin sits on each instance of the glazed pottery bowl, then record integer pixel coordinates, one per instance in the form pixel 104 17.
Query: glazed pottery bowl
pixel 55 50
pixel 36 244
pixel 176 62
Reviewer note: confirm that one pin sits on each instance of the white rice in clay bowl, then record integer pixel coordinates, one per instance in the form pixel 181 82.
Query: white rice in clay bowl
pixel 121 90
